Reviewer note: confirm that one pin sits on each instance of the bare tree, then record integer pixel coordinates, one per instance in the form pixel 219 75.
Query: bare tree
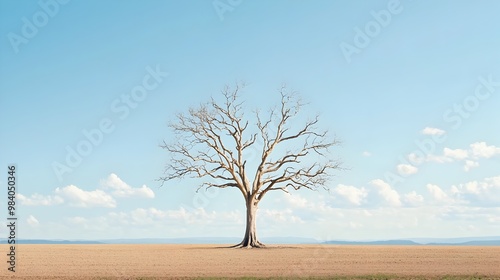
pixel 214 137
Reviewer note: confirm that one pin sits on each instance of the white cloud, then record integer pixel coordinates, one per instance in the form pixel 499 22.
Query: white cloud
pixel 77 220
pixel 415 159
pixel 281 216
pixel 183 215
pixel 482 150
pixel 413 198
pixel 469 164
pixel 354 225
pixel 406 169
pixel 352 194
pixel 470 156
pixel 153 217
pixel 193 215
pixel 437 193
pixel 457 154
pixel 122 189
pixel 279 220
pixel 367 154
pixel 74 196
pixel 438 159
pixel 485 191
pixel 296 200
pixel 32 221
pixel 81 198
pixel 387 193
pixel 433 131
pixel 39 200
pixel 494 181
pixel 312 209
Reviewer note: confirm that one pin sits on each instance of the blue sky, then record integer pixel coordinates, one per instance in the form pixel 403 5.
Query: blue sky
pixel 411 87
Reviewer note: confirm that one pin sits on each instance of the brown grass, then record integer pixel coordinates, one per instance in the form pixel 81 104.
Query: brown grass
pixel 211 261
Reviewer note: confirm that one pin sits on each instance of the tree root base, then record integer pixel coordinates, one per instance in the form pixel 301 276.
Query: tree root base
pixel 256 244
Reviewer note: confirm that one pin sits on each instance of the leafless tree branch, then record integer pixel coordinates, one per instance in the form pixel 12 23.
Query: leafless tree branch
pixel 213 137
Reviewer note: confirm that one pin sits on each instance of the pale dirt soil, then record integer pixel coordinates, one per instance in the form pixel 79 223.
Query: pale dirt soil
pixel 181 261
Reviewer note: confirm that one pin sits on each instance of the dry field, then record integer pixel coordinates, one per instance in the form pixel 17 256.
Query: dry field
pixel 211 261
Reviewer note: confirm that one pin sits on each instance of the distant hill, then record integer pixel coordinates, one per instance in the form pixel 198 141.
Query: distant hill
pixel 383 242
pixel 210 240
pixel 288 240
pixel 44 241
pixel 186 240
pixel 471 243
pixel 456 240
pixel 463 241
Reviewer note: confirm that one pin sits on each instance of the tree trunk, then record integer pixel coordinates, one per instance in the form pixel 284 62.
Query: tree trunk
pixel 250 240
